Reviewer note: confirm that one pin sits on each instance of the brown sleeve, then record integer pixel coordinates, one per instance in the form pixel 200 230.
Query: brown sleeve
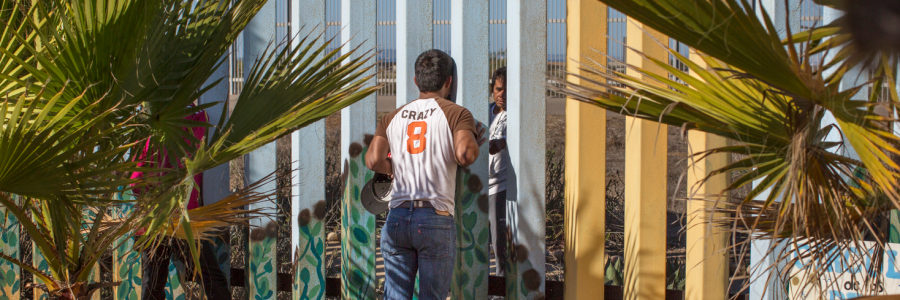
pixel 459 117
pixel 381 129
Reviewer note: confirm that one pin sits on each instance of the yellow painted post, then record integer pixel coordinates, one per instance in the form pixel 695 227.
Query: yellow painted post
pixel 585 160
pixel 707 260
pixel 645 184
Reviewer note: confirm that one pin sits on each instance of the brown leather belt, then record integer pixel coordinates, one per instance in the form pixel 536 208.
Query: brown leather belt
pixel 416 204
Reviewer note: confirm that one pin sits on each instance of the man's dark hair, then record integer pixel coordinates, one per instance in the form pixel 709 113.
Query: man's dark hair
pixel 433 67
pixel 499 74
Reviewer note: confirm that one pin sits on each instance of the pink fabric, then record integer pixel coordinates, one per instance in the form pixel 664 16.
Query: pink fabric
pixel 199 133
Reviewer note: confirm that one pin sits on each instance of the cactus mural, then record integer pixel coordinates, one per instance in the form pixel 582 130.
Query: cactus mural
pixel 261 264
pixel 309 278
pixel 9 245
pixel 127 268
pixel 472 237
pixel 174 288
pixel 358 228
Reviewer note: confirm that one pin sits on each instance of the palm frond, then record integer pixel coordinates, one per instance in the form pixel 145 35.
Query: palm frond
pixel 771 101
pixel 87 86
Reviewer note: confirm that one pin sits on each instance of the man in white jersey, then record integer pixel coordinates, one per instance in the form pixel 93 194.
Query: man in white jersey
pixel 427 139
pixel 498 162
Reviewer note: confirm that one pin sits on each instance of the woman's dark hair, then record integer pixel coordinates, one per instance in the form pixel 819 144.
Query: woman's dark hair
pixel 433 67
pixel 499 74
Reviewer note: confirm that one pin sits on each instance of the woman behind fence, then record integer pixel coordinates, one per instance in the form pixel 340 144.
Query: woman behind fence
pixel 155 260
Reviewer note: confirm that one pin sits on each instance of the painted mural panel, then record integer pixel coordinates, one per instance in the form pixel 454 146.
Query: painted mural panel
pixel 261 263
pixel 309 280
pixel 472 237
pixel 10 284
pixel 358 230
pixel 126 261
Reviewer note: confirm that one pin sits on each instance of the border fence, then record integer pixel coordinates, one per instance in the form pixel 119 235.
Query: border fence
pixel 386 38
pixel 257 272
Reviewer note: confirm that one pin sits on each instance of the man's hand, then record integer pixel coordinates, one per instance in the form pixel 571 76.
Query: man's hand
pixel 466 143
pixel 496 146
pixel 480 128
pixel 377 157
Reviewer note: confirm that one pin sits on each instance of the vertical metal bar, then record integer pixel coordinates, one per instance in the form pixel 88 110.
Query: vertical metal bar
pixel 174 285
pixel 9 246
pixel 778 11
pixel 239 66
pixel 412 39
pixel 552 36
pixel 706 258
pixel 357 127
pixel 333 18
pixel 393 33
pixel 261 260
pixel 527 54
pixel 235 68
pixel 645 218
pixel 504 35
pixel 126 262
pixel 435 27
pixel 556 50
pixel 585 159
pixel 379 42
pixel 394 40
pixel 308 186
pixel 468 39
pixel 495 31
pixel 491 35
pixel 617 32
pixel 560 43
pixel 446 32
pixel 499 38
pixel 94 275
pixel 216 181
pixel 386 44
pixel 40 263
pixel 231 66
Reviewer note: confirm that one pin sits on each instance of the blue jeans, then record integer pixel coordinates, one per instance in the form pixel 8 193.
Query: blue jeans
pixel 418 240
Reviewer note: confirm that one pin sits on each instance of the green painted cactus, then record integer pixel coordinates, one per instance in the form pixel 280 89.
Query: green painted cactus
pixel 9 246
pixel 261 267
pixel 472 238
pixel 358 231
pixel 309 281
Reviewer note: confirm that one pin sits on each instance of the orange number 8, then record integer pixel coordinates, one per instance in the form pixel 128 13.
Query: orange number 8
pixel 413 136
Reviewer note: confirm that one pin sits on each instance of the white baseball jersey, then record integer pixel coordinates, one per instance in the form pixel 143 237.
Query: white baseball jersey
pixel 420 136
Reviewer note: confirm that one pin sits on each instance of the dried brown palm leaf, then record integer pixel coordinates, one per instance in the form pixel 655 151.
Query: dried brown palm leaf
pixel 208 221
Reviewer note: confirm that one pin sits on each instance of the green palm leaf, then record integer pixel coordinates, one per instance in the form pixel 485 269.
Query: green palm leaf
pixel 85 86
pixel 771 101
